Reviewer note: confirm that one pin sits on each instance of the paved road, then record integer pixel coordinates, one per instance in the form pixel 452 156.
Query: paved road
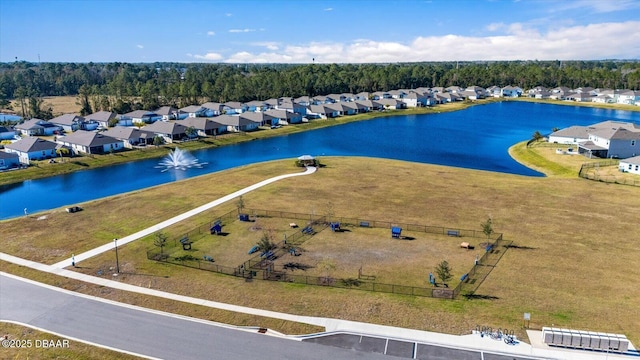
pixel 149 333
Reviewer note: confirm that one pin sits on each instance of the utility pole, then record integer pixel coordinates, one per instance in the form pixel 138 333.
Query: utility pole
pixel 115 241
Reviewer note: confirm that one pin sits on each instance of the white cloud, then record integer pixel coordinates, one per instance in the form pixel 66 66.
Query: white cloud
pixel 210 56
pixel 271 45
pixel 589 42
pixel 241 30
pixel 597 6
pixel 227 14
pixel 328 9
pixel 211 33
pixel 495 27
pixel 140 46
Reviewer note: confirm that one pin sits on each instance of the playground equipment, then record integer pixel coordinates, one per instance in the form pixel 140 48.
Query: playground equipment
pixel 335 226
pixel 395 232
pixel 243 217
pixel 253 249
pixel 216 229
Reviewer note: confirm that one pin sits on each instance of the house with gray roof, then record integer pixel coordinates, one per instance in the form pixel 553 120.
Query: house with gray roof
pixel 212 109
pixel 194 111
pixel 511 91
pixel 105 118
pixel 141 117
pixel 260 118
pixel 131 136
pixel 32 148
pixel 169 131
pixel 8 160
pixel 38 127
pixel 235 123
pixel 607 139
pixel 292 106
pixel 284 117
pixel 257 105
pixel 171 113
pixel 234 107
pixel 89 142
pixel 69 122
pixel 370 105
pixel 204 126
pixel 630 165
pixel 392 104
pixel 321 112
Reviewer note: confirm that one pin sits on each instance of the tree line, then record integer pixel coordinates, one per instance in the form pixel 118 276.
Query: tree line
pixel 123 87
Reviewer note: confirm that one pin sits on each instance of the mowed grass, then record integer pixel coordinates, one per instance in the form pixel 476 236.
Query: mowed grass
pixel 572 267
pixel 75 350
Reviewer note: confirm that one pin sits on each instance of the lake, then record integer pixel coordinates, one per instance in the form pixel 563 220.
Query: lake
pixel 475 138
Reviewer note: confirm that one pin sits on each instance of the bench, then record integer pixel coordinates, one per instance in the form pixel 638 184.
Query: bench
pixel 364 224
pixel 208 258
pixel 455 233
pixel 293 225
pixel 464 245
pixel 464 277
pixel 186 243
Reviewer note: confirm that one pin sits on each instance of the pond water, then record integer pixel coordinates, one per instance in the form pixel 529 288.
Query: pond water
pixel 476 138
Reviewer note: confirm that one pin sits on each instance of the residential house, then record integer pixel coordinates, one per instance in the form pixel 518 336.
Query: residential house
pixel 284 117
pixel 89 142
pixel 106 119
pixel 194 111
pixel 630 165
pixel 303 100
pixel 321 112
pixel 292 106
pixel 131 136
pixel 378 95
pixel 337 98
pixel 212 109
pixel 8 160
pixel 32 148
pixel 602 99
pixel 469 95
pixel 7 133
pixel 580 97
pixel 495 91
pixel 234 107
pixel 257 105
pixel 169 131
pixel 205 126
pixel 361 96
pixel 141 117
pixel 38 127
pixel 70 122
pixel 368 105
pixel 511 91
pixel 572 135
pixel 342 108
pixel 628 97
pixel 481 92
pixel 353 108
pixel 392 104
pixel 260 118
pixel 236 123
pixel 321 100
pixel 607 139
pixel 454 89
pixel 559 93
pixel 171 113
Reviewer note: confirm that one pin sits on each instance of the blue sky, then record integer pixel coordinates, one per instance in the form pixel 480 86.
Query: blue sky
pixel 305 31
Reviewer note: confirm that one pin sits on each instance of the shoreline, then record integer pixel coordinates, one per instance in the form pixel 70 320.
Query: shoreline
pixel 43 169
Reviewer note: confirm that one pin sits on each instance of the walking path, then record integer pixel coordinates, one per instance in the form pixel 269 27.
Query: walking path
pixel 471 342
pixel 150 230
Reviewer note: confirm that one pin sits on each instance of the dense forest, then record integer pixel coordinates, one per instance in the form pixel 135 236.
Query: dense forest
pixel 122 87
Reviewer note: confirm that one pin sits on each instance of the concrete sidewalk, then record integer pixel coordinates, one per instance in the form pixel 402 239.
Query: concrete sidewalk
pixel 150 230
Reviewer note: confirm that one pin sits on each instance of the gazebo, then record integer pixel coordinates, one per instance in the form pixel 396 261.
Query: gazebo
pixel 307 160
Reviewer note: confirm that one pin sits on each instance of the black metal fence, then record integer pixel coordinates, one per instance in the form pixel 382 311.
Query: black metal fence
pixel 260 267
pixel 590 171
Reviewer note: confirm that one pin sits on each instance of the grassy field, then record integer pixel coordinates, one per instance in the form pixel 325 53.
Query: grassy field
pixel 75 351
pixel 570 267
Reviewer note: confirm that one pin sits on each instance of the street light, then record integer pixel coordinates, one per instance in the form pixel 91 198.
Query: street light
pixel 115 241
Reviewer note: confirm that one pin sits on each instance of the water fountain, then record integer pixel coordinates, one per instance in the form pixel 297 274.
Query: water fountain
pixel 180 160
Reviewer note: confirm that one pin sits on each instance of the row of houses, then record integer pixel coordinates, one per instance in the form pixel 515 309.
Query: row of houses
pixel 587 94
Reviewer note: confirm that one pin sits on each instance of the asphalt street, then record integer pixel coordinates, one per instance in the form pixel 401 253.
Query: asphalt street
pixel 150 333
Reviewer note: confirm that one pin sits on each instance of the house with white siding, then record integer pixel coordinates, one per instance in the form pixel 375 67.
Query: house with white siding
pixel 105 118
pixel 38 127
pixel 141 117
pixel 193 111
pixel 511 91
pixel 89 142
pixel 171 113
pixel 212 109
pixel 131 136
pixel 205 126
pixel 630 165
pixel 607 139
pixel 70 122
pixel 32 148
pixel 284 117
pixel 169 131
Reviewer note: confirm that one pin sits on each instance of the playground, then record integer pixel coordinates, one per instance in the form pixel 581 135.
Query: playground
pixel 308 246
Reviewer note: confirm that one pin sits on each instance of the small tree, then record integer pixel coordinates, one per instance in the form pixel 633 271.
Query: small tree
pixel 443 270
pixel 157 140
pixel 537 136
pixel 265 244
pixel 487 227
pixel 240 204
pixel 160 241
pixel 191 132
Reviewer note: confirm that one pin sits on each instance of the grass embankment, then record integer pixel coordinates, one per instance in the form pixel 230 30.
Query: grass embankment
pixel 570 266
pixel 75 351
pixel 40 169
